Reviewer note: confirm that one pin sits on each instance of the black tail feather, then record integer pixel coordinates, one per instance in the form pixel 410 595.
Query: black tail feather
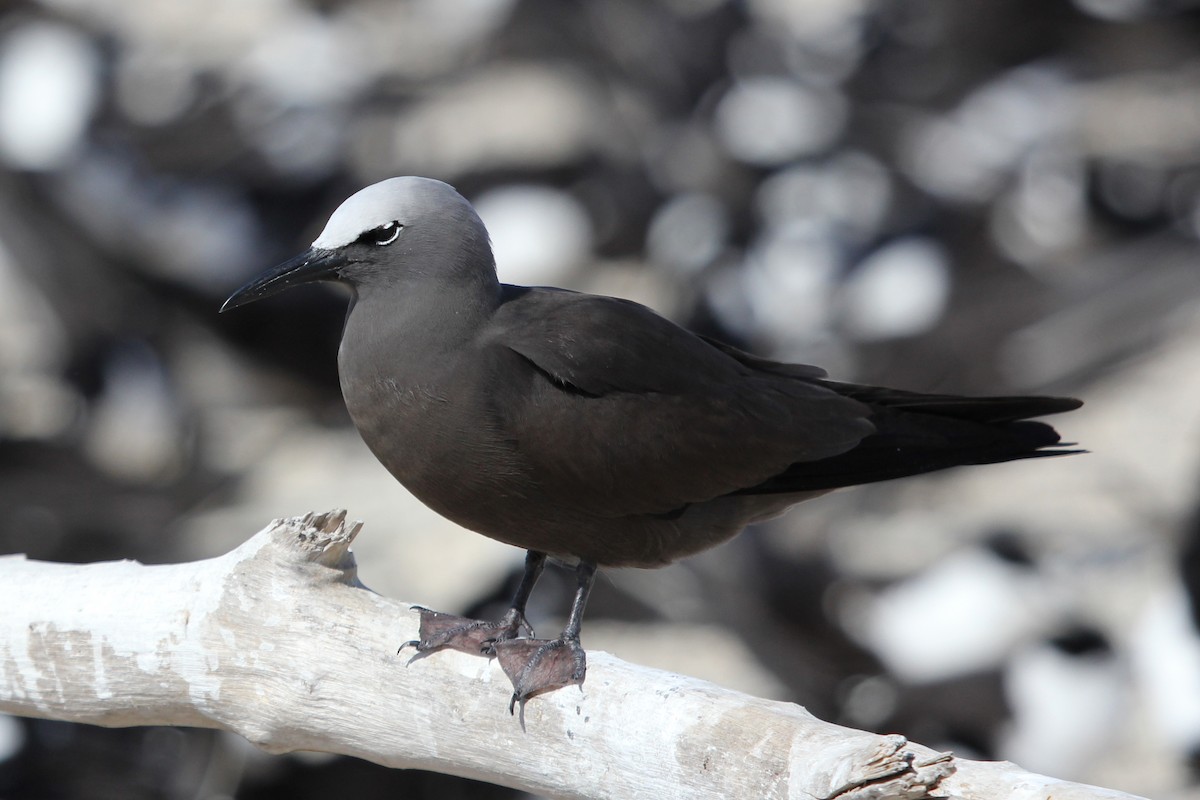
pixel 977 409
pixel 918 433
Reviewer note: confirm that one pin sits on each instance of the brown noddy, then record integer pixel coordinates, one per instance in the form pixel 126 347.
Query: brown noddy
pixel 588 428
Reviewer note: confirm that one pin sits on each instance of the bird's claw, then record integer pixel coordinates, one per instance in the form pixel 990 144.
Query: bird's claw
pixel 536 666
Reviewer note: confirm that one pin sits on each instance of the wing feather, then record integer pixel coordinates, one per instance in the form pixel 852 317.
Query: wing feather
pixel 622 412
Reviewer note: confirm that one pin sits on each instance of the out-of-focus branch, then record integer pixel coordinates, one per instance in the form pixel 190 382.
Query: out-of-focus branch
pixel 279 642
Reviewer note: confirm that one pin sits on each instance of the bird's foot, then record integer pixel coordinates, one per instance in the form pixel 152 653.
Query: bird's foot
pixel 536 666
pixel 475 637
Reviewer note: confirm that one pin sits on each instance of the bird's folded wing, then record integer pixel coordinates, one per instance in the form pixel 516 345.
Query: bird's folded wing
pixel 622 412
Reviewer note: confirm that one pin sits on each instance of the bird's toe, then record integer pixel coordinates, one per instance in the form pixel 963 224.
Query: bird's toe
pixel 536 666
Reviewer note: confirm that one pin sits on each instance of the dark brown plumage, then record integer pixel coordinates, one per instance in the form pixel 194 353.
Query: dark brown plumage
pixel 590 428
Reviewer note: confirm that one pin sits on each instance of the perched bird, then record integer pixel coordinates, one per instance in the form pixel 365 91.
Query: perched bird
pixel 587 428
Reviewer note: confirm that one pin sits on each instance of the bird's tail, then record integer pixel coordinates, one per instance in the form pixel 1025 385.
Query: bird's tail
pixel 917 433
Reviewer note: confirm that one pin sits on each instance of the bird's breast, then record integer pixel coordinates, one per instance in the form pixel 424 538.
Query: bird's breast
pixel 413 427
pixel 437 435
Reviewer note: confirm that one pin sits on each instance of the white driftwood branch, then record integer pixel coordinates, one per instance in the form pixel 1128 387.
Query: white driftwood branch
pixel 279 642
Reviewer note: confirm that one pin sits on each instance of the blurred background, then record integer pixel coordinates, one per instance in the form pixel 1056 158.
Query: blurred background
pixel 939 195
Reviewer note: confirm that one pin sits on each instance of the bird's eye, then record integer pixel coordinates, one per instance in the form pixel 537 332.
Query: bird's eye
pixel 383 235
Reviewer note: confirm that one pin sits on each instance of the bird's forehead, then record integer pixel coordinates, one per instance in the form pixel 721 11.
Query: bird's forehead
pixel 396 199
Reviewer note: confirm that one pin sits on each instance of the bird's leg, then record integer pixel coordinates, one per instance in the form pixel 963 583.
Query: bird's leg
pixel 541 665
pixel 474 636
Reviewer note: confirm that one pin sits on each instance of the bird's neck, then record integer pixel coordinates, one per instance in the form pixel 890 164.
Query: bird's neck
pixel 410 318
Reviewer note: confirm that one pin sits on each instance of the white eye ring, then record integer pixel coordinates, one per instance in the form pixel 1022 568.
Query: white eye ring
pixel 385 234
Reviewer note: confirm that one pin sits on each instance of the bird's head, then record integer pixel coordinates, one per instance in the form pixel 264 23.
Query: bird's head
pixel 399 227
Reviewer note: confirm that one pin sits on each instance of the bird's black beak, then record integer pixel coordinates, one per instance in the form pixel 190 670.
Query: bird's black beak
pixel 314 264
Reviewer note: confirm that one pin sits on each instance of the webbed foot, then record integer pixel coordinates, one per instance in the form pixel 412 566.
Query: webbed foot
pixel 536 666
pixel 439 631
